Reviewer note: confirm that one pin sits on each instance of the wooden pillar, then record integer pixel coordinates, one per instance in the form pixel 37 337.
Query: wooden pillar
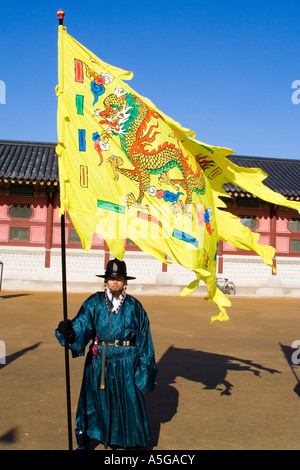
pixel 273 214
pixel 49 229
pixel 106 254
pixel 164 266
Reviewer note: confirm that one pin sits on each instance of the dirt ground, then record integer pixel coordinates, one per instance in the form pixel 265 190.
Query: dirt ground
pixel 230 385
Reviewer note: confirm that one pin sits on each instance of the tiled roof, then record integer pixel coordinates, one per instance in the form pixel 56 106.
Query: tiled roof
pixel 283 174
pixel 37 161
pixel 28 161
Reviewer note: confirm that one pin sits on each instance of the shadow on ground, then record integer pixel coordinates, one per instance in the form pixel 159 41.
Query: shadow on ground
pixel 198 366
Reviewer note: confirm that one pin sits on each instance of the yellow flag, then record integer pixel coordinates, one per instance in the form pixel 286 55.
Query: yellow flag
pixel 129 171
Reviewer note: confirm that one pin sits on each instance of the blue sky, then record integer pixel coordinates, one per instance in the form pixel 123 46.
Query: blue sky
pixel 224 69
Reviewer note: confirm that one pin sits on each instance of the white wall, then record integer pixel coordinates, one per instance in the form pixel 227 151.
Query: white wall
pixel 23 269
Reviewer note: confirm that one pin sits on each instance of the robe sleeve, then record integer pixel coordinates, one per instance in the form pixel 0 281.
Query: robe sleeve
pixel 84 330
pixel 146 369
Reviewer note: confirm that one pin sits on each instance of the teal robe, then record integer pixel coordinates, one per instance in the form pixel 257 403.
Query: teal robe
pixel 117 414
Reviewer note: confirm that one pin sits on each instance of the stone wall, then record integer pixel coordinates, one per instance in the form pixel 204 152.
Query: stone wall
pixel 23 269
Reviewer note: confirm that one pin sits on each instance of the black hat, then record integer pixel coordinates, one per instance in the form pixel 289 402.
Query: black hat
pixel 116 268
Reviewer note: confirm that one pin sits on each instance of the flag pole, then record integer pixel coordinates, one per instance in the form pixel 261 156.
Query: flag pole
pixel 65 316
pixel 60 15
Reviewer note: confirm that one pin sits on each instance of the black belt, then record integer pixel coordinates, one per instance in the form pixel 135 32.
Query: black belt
pixel 115 343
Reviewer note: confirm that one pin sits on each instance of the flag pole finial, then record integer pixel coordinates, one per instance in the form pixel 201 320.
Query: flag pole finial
pixel 60 15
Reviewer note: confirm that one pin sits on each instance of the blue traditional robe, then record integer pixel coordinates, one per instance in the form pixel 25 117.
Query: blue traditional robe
pixel 117 414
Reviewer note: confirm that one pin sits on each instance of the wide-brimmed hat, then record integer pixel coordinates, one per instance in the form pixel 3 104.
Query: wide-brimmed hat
pixel 116 268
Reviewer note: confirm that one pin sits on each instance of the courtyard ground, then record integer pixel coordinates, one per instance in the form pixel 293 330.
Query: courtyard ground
pixel 230 385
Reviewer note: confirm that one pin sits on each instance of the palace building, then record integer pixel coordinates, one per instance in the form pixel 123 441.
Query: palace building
pixel 30 232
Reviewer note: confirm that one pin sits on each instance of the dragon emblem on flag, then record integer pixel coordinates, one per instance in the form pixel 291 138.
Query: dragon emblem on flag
pixel 137 126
